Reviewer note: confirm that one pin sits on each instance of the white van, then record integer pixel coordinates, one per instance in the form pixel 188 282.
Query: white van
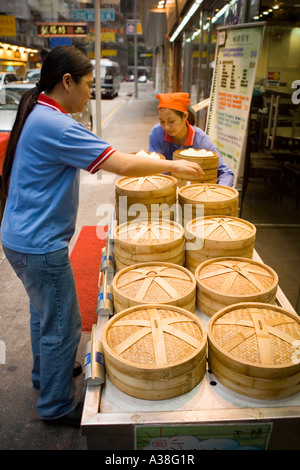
pixel 110 78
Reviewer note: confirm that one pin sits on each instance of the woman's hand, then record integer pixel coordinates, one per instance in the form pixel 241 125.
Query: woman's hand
pixel 125 164
pixel 186 168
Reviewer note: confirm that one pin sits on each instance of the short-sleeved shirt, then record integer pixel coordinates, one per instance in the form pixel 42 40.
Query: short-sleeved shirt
pixel 41 208
pixel 161 142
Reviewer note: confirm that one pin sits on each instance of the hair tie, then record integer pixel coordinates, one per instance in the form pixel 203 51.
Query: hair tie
pixel 39 86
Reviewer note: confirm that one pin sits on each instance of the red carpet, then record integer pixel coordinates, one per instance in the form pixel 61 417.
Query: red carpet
pixel 86 260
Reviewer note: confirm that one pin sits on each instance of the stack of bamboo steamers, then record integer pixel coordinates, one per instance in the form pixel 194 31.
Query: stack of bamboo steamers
pixel 168 272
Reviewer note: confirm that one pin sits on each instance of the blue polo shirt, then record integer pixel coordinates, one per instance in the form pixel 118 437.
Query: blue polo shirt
pixel 161 142
pixel 41 208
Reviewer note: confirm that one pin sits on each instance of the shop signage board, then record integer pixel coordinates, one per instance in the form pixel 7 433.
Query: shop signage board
pixel 88 14
pixel 7 25
pixel 237 54
pixel 130 27
pixel 61 29
pixel 237 436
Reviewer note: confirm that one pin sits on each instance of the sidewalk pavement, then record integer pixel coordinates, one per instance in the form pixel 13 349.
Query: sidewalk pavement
pixel 20 427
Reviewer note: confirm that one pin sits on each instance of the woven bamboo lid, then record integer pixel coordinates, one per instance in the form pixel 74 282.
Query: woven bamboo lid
pixel 236 277
pixel 154 282
pixel 208 193
pixel 144 232
pixel 153 337
pixel 225 228
pixel 262 340
pixel 138 186
pixel 200 156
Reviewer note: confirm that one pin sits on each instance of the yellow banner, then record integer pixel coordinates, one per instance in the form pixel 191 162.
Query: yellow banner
pixel 7 25
pixel 108 37
pixel 109 52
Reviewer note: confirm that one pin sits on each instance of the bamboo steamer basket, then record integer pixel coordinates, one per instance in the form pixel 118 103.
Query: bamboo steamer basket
pixel 213 199
pixel 213 237
pixel 209 162
pixel 253 349
pixel 146 283
pixel 226 281
pixel 155 352
pixel 155 195
pixel 146 241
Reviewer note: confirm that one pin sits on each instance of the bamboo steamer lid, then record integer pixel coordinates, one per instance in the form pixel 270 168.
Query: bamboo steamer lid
pixel 226 281
pixel 253 349
pixel 212 237
pixel 155 352
pixel 146 241
pixel 215 199
pixel 208 160
pixel 146 283
pixel 147 191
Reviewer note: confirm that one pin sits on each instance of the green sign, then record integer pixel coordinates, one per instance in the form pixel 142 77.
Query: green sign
pixel 237 436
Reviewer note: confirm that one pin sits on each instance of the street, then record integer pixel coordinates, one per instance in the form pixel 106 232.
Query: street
pixel 110 106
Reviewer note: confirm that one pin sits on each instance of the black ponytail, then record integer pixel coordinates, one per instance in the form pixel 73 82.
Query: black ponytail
pixel 61 60
pixel 26 105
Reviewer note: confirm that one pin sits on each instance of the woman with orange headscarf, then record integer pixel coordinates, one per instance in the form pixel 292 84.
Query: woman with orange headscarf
pixel 175 130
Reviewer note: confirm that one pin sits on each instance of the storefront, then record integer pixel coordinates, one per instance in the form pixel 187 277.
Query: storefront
pixel 17 59
pixel 192 35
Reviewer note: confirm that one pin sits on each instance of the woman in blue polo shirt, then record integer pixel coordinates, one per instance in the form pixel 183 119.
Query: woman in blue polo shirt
pixel 174 131
pixel 40 184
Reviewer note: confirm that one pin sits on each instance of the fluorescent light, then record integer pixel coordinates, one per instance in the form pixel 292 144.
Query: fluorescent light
pixel 187 17
pixel 220 13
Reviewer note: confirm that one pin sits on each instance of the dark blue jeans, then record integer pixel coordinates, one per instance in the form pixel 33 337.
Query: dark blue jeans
pixel 55 326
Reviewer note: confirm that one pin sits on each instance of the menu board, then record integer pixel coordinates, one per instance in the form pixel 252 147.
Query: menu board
pixel 236 60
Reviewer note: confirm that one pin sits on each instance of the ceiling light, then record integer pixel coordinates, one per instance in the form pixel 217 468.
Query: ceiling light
pixel 185 20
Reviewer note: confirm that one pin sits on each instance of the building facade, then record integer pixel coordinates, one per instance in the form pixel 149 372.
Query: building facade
pixel 183 34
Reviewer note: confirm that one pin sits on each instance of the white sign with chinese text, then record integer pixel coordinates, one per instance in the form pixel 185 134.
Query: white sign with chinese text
pixel 231 92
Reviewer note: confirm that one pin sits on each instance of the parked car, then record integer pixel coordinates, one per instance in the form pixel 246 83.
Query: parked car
pixel 32 75
pixel 7 77
pixel 10 97
pixel 129 78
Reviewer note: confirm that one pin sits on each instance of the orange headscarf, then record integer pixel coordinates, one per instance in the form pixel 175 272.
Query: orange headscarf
pixel 178 101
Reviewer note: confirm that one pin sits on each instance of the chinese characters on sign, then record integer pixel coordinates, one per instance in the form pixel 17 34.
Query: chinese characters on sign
pixel 106 14
pixel 239 436
pixel 231 93
pixel 7 25
pixel 62 29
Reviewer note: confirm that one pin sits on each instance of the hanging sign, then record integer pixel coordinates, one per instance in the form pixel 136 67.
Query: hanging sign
pixel 7 25
pixel 47 30
pixel 88 14
pixel 236 60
